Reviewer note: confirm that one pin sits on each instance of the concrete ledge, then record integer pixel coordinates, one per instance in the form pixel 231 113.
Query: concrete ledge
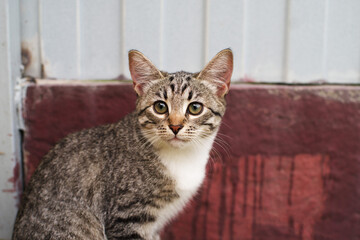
pixel 288 166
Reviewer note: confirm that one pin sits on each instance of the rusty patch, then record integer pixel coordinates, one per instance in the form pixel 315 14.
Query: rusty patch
pixel 31 79
pixel 247 79
pixel 122 77
pixel 25 57
pixel 43 73
pixel 17 183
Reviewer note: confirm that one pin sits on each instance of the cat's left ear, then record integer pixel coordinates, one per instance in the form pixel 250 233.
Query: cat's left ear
pixel 142 71
pixel 218 71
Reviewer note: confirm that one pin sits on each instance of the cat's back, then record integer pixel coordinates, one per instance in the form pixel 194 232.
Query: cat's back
pixel 82 154
pixel 70 183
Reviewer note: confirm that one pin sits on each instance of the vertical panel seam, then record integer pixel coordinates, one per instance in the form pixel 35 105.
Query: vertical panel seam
pixel 287 29
pixel 325 42
pixel 243 42
pixel 123 53
pixel 78 40
pixel 161 35
pixel 40 41
pixel 206 31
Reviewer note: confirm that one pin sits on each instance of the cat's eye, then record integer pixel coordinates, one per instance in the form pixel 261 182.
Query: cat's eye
pixel 195 108
pixel 160 107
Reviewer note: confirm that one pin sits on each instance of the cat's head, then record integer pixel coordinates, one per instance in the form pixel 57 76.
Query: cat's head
pixel 180 109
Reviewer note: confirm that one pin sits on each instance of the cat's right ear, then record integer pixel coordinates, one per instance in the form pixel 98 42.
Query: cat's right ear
pixel 142 71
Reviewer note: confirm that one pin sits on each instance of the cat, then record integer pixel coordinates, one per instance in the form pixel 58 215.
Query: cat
pixel 128 179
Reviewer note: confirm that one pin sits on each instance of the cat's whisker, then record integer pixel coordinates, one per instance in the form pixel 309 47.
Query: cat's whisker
pixel 224 148
pixel 225 124
pixel 199 143
pixel 222 141
pixel 224 135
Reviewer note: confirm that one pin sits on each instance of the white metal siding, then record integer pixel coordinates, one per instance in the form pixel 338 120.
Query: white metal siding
pixel 9 135
pixel 288 41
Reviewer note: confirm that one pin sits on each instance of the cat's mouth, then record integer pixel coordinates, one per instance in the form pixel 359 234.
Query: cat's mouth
pixel 176 139
pixel 177 142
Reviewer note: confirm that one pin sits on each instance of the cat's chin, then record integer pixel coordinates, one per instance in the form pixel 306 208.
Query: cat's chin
pixel 173 142
pixel 177 143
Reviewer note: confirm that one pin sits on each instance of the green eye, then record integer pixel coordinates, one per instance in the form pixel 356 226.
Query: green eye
pixel 195 108
pixel 160 107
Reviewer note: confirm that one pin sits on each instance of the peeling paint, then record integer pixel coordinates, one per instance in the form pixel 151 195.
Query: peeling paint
pixel 16 182
pixel 30 56
pixel 25 57
pixel 247 79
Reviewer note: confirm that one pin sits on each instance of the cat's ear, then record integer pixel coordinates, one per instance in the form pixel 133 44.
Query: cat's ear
pixel 218 71
pixel 142 71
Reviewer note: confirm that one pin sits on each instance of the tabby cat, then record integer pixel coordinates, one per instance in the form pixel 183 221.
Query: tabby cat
pixel 128 179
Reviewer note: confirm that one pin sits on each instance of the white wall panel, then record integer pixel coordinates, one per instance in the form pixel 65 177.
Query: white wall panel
pixel 183 35
pixel 143 30
pixel 29 13
pixel 265 36
pixel 343 42
pixel 9 134
pixel 60 38
pixel 100 39
pixel 226 28
pixel 273 41
pixel 307 41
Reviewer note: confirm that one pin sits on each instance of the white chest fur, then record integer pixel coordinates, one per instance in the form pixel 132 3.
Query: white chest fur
pixel 187 168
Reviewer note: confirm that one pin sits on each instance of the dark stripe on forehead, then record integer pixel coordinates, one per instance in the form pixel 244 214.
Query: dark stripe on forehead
pixel 165 94
pixel 172 87
pixel 183 88
pixel 190 95
pixel 215 113
pixel 158 94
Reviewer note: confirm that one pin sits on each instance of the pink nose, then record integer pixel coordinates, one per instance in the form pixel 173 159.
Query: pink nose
pixel 175 128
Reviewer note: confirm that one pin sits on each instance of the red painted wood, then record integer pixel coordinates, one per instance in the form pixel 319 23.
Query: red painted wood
pixel 288 167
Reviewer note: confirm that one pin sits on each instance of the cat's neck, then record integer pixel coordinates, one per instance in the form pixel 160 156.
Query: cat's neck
pixel 187 165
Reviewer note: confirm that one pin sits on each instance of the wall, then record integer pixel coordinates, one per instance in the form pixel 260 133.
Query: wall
pixel 285 165
pixel 10 162
pixel 285 41
pixel 279 41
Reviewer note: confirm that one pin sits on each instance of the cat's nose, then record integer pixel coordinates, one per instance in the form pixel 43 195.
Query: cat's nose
pixel 175 128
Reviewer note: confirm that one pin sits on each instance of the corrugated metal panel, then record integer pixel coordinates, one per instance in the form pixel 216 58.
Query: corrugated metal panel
pixel 273 41
pixel 343 41
pixel 306 41
pixel 265 42
pixel 10 177
pixel 142 28
pixel 100 38
pixel 183 36
pixel 226 28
